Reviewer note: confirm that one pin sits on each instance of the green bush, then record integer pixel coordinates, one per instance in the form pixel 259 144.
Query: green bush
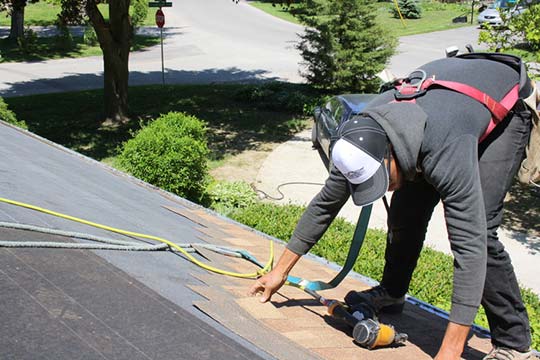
pixel 9 116
pixel 226 196
pixel 409 9
pixel 90 36
pixel 432 280
pixel 171 153
pixel 28 42
pixel 518 31
pixel 528 26
pixel 64 39
pixel 139 11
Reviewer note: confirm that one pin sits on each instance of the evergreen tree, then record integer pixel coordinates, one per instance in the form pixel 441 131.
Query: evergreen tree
pixel 343 47
pixel 410 9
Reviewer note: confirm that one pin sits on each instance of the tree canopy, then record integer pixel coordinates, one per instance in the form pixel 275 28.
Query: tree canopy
pixel 343 46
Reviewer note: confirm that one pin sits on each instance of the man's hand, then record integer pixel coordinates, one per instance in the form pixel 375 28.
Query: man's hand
pixel 268 284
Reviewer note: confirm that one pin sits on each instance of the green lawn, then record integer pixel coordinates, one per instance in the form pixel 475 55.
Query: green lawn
pixel 41 13
pixel 436 16
pixel 46 48
pixel 44 14
pixel 237 121
pixel 276 10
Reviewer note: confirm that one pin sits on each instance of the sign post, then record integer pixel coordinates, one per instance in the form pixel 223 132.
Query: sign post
pixel 160 22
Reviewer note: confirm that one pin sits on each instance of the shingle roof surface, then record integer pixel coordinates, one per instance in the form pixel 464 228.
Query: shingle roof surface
pixel 121 305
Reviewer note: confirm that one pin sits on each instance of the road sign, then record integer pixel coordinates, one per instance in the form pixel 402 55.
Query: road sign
pixel 160 18
pixel 159 4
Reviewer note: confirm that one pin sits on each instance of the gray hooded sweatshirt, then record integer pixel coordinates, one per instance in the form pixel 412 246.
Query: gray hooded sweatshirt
pixel 435 138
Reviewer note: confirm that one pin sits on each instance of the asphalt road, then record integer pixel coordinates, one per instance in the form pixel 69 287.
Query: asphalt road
pixel 205 41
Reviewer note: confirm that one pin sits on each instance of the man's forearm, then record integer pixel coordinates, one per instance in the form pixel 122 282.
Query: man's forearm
pixel 286 262
pixel 453 342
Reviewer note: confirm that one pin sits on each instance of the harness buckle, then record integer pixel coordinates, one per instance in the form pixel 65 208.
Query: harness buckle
pixel 408 90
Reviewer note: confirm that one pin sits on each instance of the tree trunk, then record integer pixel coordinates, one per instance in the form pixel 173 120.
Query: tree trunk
pixel 115 86
pixel 17 20
pixel 115 41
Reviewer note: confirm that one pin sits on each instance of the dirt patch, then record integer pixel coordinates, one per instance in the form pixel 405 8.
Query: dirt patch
pixel 245 165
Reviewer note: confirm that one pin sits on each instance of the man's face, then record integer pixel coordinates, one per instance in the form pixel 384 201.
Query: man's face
pixel 396 179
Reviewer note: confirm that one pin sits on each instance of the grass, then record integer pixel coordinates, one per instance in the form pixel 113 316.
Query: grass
pixel 46 48
pixel 436 16
pixel 38 14
pixel 45 14
pixel 276 10
pixel 235 122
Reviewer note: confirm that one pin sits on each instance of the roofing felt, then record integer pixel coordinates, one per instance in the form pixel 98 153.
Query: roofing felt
pixel 105 304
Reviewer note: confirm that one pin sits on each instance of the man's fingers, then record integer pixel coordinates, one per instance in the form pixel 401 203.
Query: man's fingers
pixel 266 295
pixel 257 288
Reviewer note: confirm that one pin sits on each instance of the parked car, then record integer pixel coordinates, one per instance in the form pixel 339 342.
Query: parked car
pixel 327 119
pixel 491 15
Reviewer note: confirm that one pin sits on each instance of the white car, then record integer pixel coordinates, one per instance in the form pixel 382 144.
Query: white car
pixel 492 16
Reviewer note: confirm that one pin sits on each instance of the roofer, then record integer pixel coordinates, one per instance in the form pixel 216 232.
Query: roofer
pixel 428 148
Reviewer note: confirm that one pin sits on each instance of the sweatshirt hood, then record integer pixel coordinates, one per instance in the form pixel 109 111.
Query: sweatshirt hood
pixel 404 124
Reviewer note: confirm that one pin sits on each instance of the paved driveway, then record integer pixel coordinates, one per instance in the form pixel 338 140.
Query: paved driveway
pixel 205 41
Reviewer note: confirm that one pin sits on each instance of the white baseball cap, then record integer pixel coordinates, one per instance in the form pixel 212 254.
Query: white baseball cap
pixel 359 155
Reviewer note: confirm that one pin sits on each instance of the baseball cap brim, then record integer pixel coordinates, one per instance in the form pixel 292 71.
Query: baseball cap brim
pixel 370 190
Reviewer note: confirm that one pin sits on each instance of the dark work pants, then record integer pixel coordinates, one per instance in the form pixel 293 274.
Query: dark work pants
pixel 500 155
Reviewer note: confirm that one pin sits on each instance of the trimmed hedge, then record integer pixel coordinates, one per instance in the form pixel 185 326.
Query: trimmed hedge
pixel 432 280
pixel 171 153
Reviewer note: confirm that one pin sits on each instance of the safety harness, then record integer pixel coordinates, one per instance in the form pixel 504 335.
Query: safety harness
pixel 407 89
pixel 523 94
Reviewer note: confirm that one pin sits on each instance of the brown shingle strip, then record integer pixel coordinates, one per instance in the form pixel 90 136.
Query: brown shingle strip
pixel 232 316
pixel 298 317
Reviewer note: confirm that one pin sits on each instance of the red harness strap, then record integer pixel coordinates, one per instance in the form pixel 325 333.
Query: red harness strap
pixel 498 110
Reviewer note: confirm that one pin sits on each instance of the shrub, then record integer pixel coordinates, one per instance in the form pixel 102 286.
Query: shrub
pixel 409 9
pixel 171 153
pixel 528 26
pixel 516 31
pixel 226 196
pixel 90 36
pixel 139 11
pixel 432 280
pixel 64 39
pixel 9 116
pixel 28 42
